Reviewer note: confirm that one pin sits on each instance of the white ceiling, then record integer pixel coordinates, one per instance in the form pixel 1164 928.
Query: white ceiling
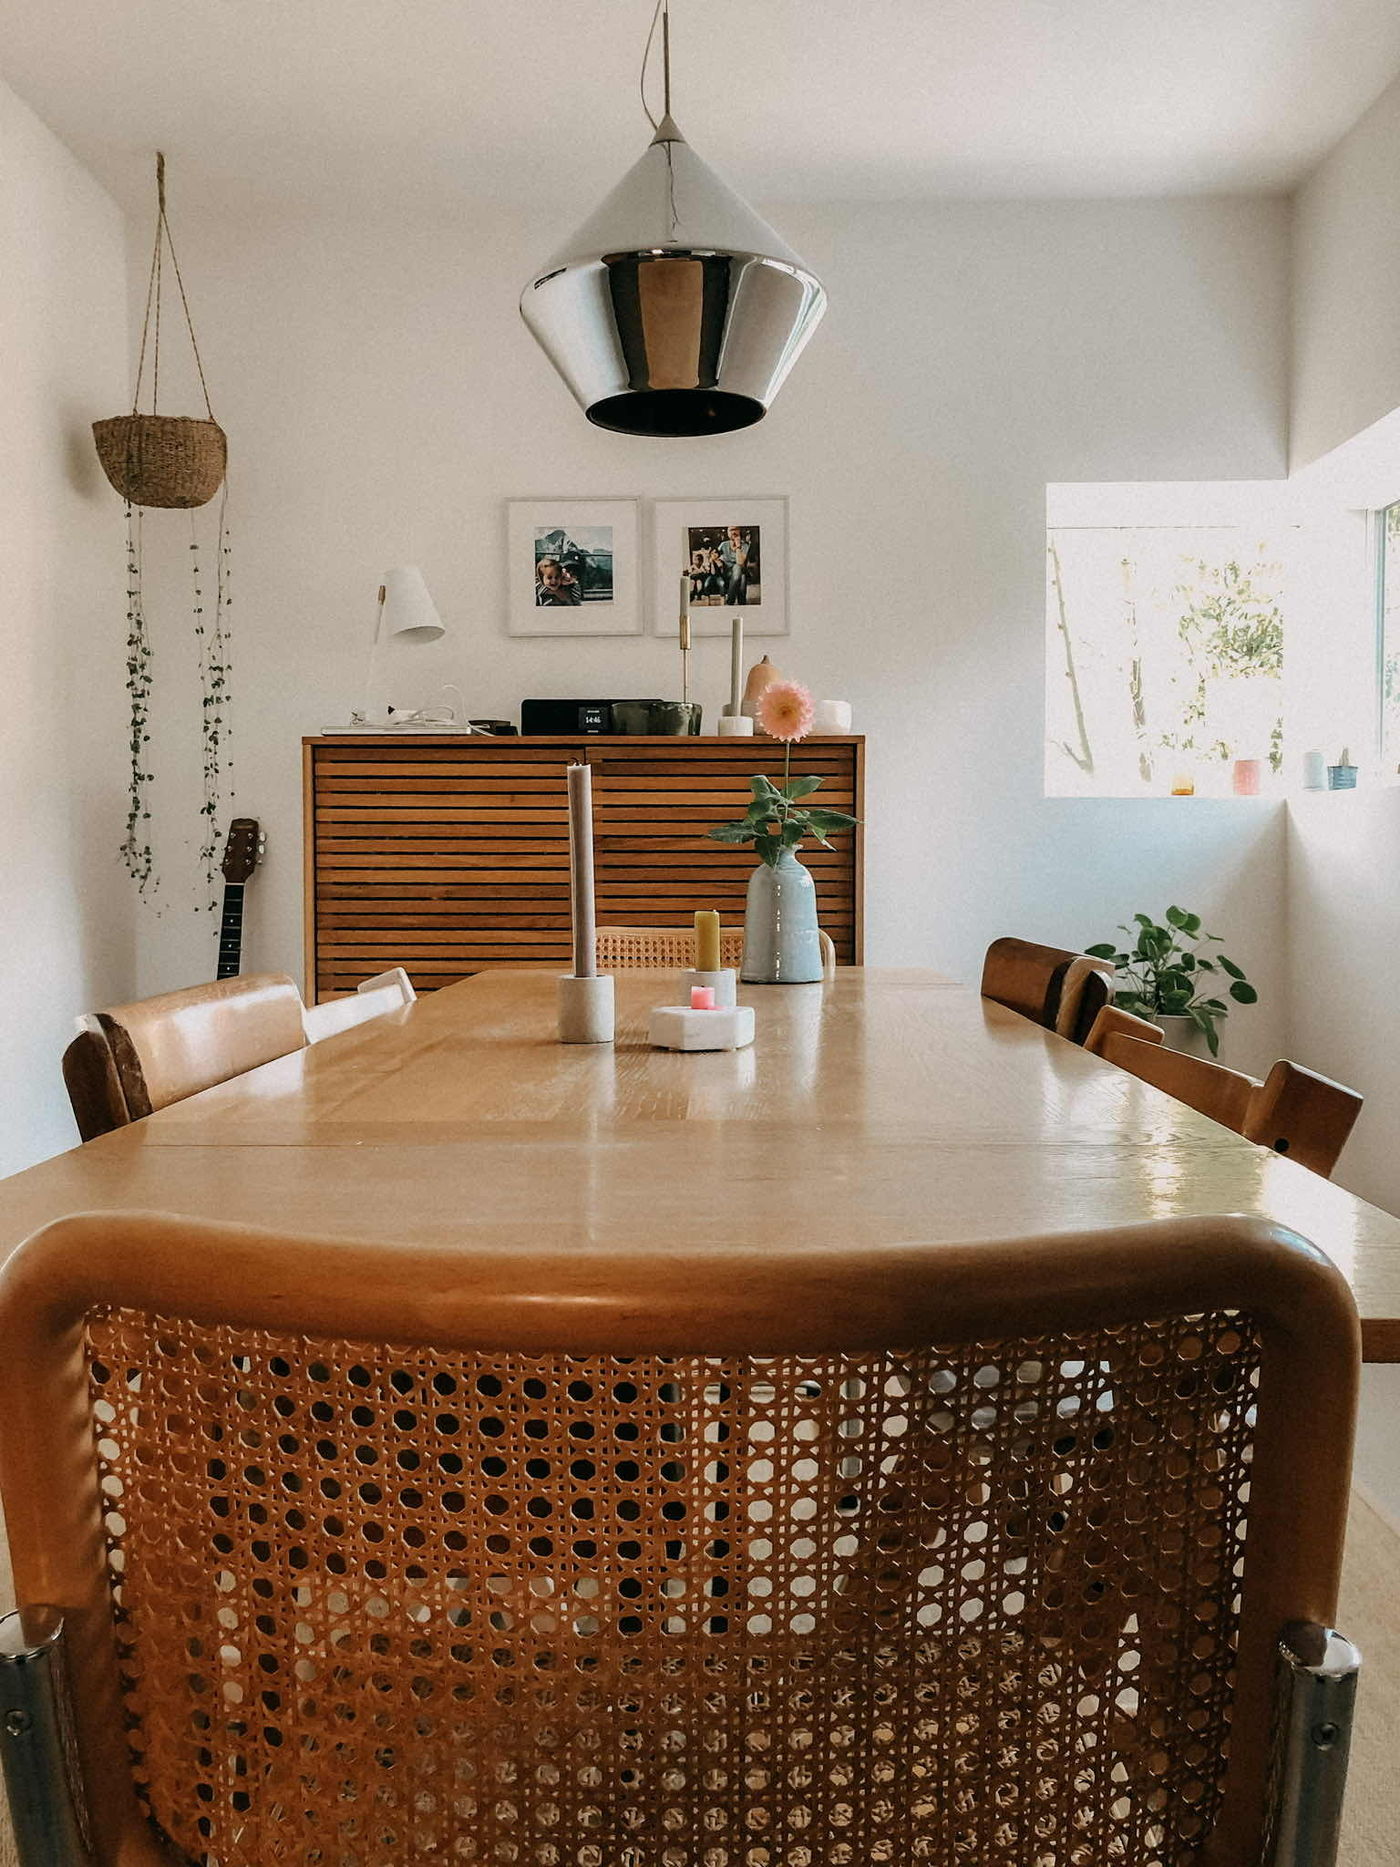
pixel 432 103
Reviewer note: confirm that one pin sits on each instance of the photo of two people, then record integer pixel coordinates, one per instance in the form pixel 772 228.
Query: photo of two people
pixel 573 565
pixel 723 561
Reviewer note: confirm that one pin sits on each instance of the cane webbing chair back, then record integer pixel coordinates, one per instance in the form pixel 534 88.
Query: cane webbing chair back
pixel 1052 986
pixel 383 1555
pixel 627 949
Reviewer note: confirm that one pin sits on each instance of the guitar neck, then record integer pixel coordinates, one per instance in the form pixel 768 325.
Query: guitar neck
pixel 231 931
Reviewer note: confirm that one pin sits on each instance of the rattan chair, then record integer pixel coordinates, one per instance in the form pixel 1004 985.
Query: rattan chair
pixel 1293 1111
pixel 129 1060
pixel 1062 990
pixel 626 949
pixel 386 991
pixel 395 1554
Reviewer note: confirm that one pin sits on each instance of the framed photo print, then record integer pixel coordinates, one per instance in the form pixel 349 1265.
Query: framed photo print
pixel 734 555
pixel 572 567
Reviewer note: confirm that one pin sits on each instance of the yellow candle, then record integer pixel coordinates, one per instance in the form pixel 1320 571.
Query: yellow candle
pixel 707 940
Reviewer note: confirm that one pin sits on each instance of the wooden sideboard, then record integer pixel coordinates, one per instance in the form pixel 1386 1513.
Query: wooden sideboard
pixel 449 855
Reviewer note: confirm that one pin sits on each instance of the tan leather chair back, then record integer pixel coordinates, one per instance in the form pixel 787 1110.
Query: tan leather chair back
pixel 94 1086
pixel 1113 1022
pixel 372 998
pixel 928 1554
pixel 1305 1116
pixel 1209 1088
pixel 170 1047
pixel 1052 986
pixel 1295 1112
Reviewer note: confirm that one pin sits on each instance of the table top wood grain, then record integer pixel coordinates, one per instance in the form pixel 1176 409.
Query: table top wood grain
pixel 883 1106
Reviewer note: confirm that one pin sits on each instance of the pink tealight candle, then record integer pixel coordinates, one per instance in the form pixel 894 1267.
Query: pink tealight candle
pixel 702 998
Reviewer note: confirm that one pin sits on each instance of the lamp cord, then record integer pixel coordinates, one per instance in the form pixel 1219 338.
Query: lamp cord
pixel 661 16
pixel 662 13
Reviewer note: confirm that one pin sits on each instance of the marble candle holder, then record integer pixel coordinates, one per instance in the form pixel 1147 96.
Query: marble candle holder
pixel 586 1009
pixel 677 1027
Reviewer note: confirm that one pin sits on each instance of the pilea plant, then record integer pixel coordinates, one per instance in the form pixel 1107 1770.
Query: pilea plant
pixel 1167 973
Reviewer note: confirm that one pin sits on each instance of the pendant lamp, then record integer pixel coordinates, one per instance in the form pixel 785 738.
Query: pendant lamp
pixel 674 310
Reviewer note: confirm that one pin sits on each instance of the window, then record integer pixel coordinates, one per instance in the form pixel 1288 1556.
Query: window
pixel 1164 639
pixel 1387 536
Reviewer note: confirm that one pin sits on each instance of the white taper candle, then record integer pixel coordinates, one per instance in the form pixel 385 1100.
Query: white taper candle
pixel 736 665
pixel 581 872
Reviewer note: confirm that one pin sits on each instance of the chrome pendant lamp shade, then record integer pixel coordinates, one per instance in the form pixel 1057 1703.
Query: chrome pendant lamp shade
pixel 674 310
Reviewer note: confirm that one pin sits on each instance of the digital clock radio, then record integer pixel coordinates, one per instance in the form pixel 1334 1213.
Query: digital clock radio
pixel 578 716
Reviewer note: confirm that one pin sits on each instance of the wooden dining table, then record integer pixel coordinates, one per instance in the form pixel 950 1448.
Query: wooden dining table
pixel 879 1106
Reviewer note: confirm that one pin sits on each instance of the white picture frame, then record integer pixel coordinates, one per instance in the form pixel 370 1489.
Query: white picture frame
pixel 599 537
pixel 674 541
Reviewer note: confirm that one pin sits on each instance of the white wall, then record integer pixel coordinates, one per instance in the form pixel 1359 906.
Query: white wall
pixel 65 915
pixel 1346 334
pixel 1343 899
pixel 383 399
pixel 1344 1011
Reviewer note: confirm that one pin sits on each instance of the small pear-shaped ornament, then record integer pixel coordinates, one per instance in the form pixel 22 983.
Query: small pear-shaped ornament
pixel 762 674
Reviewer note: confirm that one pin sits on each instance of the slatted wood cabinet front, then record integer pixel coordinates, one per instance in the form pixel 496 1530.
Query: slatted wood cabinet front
pixel 450 855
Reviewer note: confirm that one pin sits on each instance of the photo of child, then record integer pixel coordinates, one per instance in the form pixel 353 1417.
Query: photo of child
pixel 573 565
pixel 724 567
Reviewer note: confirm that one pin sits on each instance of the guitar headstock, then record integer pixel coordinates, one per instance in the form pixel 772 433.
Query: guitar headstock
pixel 244 849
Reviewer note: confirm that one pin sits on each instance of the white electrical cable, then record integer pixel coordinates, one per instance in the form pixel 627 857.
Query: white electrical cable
pixel 646 60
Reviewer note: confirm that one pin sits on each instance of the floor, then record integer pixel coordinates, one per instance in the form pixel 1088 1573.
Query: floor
pixel 1370 1615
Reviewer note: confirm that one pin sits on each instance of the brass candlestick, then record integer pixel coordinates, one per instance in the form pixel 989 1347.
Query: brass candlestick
pixel 685 637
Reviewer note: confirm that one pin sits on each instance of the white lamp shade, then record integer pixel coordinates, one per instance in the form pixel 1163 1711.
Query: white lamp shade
pixel 408 609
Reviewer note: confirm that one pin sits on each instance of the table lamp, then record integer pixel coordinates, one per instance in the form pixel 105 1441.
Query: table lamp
pixel 405 611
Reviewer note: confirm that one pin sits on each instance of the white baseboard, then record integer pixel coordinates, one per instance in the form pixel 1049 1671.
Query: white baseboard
pixel 1382 1509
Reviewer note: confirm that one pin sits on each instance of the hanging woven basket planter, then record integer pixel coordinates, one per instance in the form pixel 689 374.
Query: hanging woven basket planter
pixel 163 460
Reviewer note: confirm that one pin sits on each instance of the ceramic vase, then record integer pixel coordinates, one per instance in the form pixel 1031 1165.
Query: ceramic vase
pixel 781 941
pixel 681 717
pixel 761 675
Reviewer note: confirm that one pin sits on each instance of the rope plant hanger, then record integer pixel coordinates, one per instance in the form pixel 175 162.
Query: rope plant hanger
pixel 155 459
pixel 176 462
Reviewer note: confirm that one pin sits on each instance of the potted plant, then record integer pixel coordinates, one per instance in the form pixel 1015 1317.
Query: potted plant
pixel 781 944
pixel 1170 980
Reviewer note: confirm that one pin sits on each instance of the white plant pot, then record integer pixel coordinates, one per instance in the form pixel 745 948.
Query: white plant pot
pixel 1181 1033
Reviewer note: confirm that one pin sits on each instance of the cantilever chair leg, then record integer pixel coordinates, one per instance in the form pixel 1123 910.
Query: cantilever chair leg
pixel 1316 1695
pixel 47 1808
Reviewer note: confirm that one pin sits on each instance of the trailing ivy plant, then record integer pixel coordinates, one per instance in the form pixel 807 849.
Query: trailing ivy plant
pixel 136 854
pixel 1167 974
pixel 213 643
